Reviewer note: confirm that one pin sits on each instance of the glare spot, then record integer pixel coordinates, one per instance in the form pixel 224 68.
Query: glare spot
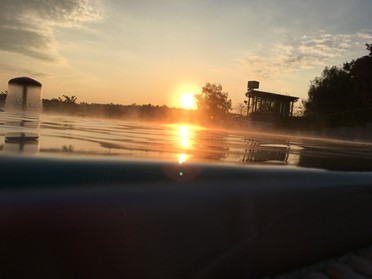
pixel 182 158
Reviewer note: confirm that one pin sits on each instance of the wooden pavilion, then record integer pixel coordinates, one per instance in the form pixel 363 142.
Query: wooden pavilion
pixel 266 106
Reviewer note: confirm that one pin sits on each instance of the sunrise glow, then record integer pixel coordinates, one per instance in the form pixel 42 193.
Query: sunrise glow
pixel 187 100
pixel 150 53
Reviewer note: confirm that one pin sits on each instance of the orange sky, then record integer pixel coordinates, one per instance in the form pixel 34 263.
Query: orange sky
pixel 154 51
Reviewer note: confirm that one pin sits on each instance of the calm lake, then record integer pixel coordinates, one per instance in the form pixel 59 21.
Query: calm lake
pixel 63 136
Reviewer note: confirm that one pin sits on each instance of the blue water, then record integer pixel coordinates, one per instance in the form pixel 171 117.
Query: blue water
pixel 64 136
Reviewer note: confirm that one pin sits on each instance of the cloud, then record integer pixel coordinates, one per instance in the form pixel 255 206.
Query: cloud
pixel 24 71
pixel 304 53
pixel 28 27
pixel 27 42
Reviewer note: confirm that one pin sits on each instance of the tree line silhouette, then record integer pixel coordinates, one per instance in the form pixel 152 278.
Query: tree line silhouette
pixel 342 96
pixel 147 112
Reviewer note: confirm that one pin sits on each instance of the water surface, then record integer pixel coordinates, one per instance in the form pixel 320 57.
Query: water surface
pixel 63 136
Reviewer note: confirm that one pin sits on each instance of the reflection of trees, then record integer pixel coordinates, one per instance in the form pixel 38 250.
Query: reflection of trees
pixel 210 145
pixel 339 158
pixel 67 148
pixel 70 149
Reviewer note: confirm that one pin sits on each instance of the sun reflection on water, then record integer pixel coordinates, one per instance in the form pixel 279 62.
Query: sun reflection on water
pixel 185 139
pixel 182 158
pixel 185 136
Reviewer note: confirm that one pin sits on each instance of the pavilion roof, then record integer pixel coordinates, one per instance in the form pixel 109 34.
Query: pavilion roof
pixel 269 95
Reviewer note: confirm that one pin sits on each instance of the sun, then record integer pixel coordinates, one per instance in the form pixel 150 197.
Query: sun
pixel 184 95
pixel 187 100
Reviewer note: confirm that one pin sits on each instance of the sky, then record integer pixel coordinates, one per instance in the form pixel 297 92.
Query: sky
pixel 148 51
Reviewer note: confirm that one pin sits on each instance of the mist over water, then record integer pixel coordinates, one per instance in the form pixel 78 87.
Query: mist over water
pixel 62 136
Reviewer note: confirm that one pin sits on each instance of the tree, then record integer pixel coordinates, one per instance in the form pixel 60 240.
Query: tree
pixel 298 109
pixel 241 109
pixel 213 102
pixel 360 71
pixel 68 99
pixel 342 92
pixel 330 93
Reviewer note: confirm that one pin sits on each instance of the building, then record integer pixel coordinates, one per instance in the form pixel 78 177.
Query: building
pixel 266 106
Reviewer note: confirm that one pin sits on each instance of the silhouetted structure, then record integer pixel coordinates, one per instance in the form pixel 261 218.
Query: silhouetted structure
pixel 24 94
pixel 266 106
